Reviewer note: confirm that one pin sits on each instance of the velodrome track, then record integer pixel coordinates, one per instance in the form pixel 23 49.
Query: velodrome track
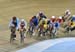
pixel 55 45
pixel 26 9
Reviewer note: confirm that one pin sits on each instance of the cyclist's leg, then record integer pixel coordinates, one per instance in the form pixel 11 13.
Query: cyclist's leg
pixel 14 34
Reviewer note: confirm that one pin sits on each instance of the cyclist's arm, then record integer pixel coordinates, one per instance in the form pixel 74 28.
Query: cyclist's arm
pixel 18 21
pixel 10 23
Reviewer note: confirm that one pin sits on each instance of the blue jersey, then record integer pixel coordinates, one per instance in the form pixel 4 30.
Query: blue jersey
pixel 35 21
pixel 57 25
pixel 73 18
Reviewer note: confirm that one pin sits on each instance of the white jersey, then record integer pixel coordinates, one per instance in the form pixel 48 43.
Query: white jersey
pixel 25 25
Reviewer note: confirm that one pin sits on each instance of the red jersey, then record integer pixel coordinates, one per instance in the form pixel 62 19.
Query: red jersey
pixel 22 25
pixel 53 19
pixel 60 20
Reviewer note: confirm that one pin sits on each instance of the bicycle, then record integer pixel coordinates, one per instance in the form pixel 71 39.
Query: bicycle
pixel 22 32
pixel 13 34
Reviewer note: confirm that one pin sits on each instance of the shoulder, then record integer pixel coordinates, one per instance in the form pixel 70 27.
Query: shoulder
pixel 69 12
pixel 17 18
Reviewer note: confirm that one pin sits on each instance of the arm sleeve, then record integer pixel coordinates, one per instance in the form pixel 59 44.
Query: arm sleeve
pixel 10 23
pixel 25 24
pixel 17 23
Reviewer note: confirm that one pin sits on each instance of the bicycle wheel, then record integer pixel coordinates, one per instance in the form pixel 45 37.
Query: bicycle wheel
pixel 22 37
pixel 11 38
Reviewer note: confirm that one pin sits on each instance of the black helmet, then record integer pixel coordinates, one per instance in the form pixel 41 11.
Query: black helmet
pixel 14 18
pixel 34 16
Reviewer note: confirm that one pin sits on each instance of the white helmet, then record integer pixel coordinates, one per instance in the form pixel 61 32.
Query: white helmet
pixel 60 17
pixel 53 17
pixel 67 10
pixel 41 12
pixel 22 20
pixel 43 18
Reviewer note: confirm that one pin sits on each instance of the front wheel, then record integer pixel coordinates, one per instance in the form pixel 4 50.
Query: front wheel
pixel 22 37
pixel 12 36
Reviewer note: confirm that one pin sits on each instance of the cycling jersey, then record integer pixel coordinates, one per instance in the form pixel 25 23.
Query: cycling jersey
pixel 72 24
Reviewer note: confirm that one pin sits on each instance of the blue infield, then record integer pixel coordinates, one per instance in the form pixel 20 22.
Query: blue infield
pixel 55 45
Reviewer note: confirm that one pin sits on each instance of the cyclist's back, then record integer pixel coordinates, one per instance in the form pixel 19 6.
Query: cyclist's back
pixel 14 22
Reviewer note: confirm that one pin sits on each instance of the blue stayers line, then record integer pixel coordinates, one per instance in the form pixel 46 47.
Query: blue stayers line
pixel 50 45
